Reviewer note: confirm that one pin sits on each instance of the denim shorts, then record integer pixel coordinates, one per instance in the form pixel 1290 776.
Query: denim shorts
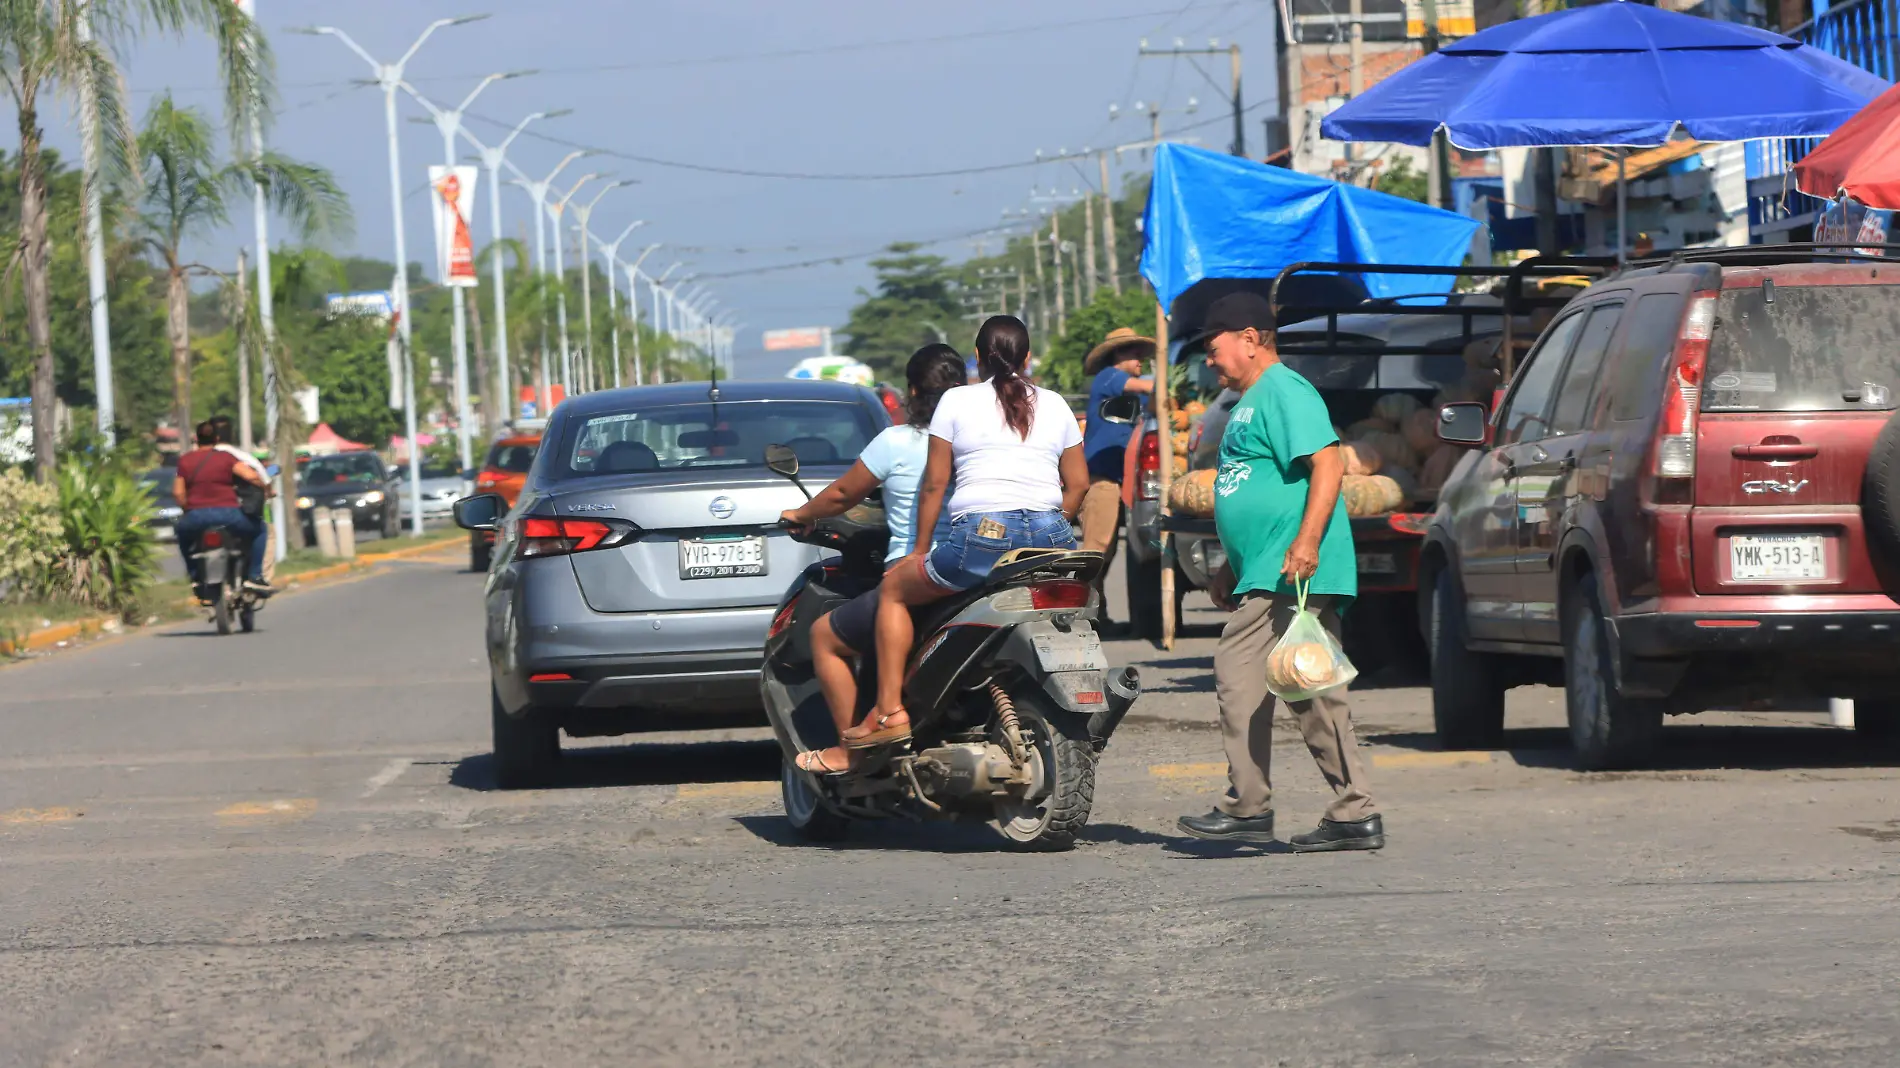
pixel 963 558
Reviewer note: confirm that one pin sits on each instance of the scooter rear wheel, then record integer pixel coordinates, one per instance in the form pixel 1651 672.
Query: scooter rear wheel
pixel 1062 791
pixel 221 609
pixel 808 816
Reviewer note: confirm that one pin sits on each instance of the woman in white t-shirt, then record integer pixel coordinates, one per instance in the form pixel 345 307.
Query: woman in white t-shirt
pixel 1016 454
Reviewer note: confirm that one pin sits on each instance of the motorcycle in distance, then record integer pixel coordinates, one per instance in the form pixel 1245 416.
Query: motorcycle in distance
pixel 223 560
pixel 1009 695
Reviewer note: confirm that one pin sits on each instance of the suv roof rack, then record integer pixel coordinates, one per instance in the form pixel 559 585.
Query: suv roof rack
pixel 1515 302
pixel 1750 255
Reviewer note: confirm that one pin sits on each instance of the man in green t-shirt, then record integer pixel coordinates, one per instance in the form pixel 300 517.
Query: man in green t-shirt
pixel 1279 515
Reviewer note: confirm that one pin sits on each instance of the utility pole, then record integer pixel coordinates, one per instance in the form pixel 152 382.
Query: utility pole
pixel 1108 228
pixel 1042 293
pixel 1238 147
pixel 1356 36
pixel 1055 251
pixel 1088 245
pixel 245 341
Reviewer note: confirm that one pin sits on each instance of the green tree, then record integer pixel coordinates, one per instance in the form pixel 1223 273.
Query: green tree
pixel 1401 179
pixel 187 192
pixel 1060 368
pixel 64 46
pixel 918 301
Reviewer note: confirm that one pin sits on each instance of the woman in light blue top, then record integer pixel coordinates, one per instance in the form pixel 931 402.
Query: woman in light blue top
pixel 894 459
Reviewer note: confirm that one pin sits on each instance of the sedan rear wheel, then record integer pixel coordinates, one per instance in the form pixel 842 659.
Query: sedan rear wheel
pixel 527 749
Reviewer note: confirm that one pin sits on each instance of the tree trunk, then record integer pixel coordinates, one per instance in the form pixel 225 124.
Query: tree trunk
pixel 34 255
pixel 483 384
pixel 178 329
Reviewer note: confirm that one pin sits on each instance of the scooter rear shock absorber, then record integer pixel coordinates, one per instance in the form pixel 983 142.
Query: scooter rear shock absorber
pixel 1011 726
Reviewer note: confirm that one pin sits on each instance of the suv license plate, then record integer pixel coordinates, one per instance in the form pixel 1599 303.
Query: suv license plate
pixel 1377 564
pixel 701 558
pixel 1070 652
pixel 1777 556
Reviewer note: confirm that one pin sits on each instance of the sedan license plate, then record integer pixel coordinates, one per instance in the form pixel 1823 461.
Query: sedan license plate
pixel 1777 557
pixel 702 558
pixel 1070 652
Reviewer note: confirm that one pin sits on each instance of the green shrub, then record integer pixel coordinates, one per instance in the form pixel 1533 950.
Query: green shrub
pixel 31 542
pixel 109 555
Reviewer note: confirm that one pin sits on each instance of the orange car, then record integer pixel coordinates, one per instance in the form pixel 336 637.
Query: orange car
pixel 504 472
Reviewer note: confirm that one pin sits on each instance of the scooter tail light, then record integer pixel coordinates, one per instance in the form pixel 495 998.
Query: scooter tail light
pixel 1063 593
pixel 211 539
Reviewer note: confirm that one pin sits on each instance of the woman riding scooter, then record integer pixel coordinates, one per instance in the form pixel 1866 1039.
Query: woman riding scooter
pixel 1016 454
pixel 895 459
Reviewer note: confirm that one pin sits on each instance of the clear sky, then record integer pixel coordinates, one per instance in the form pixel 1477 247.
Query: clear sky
pixel 835 87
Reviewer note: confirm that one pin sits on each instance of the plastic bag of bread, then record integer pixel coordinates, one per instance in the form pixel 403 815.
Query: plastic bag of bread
pixel 1307 660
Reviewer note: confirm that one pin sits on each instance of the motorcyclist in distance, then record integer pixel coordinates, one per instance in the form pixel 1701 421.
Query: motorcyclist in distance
pixel 894 459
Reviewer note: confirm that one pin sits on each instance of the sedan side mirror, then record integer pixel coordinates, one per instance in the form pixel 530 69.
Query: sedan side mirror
pixel 1464 423
pixel 480 512
pixel 1123 409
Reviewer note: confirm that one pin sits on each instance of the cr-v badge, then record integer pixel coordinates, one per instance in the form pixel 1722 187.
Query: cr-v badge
pixel 1769 485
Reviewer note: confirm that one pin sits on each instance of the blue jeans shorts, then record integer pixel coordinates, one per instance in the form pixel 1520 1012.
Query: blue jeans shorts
pixel 963 558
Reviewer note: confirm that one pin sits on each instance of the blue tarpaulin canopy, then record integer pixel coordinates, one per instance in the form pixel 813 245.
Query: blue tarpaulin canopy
pixel 1609 74
pixel 1216 216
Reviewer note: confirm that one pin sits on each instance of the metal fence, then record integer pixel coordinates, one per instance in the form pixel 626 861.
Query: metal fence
pixel 1865 33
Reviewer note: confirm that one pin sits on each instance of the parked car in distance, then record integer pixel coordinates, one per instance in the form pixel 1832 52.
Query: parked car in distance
pixel 636 575
pixel 1689 498
pixel 165 509
pixel 502 473
pixel 356 480
pixel 441 488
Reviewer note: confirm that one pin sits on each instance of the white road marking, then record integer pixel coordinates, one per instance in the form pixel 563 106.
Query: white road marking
pixel 390 773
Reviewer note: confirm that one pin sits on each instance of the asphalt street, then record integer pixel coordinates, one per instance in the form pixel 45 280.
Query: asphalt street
pixel 284 848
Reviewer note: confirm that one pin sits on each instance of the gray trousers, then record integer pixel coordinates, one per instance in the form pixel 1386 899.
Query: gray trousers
pixel 1246 713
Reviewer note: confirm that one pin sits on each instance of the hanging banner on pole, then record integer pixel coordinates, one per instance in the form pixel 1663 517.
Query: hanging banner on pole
pixel 452 191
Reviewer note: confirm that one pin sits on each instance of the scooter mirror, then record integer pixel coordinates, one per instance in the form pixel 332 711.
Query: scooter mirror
pixel 782 460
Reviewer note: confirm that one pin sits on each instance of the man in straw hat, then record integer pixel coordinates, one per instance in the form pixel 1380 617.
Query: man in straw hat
pixel 1114 367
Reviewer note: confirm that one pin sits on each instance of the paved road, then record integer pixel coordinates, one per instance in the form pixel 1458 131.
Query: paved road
pixel 284 849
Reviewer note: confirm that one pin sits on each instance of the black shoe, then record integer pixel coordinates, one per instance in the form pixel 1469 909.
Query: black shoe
pixel 1218 826
pixel 1329 837
pixel 260 587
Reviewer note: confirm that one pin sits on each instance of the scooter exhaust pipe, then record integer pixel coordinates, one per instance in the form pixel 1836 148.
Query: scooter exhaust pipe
pixel 1123 687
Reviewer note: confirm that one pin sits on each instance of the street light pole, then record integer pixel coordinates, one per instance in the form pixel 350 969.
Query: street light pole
pixel 538 193
pixel 492 159
pixel 555 211
pixel 633 310
pixel 582 213
pixel 96 250
pixel 660 326
pixel 610 252
pixel 449 122
pixel 389 77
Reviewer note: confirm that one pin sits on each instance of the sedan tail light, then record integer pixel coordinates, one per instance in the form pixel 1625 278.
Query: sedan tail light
pixel 546 536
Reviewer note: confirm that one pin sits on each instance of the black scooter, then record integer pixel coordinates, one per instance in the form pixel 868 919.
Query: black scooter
pixel 1009 695
pixel 223 559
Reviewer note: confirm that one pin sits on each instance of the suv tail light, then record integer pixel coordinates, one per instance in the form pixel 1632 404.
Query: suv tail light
pixel 1148 467
pixel 1682 393
pixel 544 536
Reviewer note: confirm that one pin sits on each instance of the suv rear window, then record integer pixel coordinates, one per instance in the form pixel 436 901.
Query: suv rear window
pixel 514 459
pixel 707 435
pixel 1822 348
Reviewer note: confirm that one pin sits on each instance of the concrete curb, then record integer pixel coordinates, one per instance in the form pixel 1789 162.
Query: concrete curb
pixel 88 628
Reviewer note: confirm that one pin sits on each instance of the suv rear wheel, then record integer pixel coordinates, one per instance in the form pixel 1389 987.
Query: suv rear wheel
pixel 1877 721
pixel 527 749
pixel 1467 692
pixel 1607 729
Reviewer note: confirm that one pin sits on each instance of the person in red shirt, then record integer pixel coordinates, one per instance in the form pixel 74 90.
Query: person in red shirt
pixel 206 488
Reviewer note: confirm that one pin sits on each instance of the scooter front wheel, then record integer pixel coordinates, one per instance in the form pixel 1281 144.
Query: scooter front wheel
pixel 804 811
pixel 1055 808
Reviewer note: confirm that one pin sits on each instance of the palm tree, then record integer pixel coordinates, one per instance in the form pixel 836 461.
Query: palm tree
pixel 187 192
pixel 67 46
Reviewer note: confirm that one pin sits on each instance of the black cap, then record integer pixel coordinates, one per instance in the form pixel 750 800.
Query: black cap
pixel 1236 311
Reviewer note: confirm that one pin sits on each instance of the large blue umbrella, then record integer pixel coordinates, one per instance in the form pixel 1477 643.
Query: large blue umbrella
pixel 1610 74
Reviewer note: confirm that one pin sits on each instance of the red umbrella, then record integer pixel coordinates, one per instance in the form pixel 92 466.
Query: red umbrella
pixel 1861 158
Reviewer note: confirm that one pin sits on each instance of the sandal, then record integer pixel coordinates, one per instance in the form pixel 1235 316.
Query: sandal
pixel 813 760
pixel 881 735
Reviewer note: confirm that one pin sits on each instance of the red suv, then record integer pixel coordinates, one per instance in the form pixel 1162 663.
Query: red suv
pixel 1689 498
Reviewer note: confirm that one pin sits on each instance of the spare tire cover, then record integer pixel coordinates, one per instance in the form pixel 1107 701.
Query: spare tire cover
pixel 1880 493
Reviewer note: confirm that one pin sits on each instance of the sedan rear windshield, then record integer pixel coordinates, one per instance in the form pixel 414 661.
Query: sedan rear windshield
pixel 1821 348
pixel 709 435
